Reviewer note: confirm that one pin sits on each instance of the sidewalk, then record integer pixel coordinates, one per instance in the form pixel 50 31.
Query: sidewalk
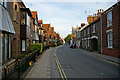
pixel 41 68
pixel 102 56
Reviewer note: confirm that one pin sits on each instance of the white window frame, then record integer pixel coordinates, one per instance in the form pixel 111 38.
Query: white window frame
pixel 110 39
pixel 109 19
pixel 23 45
pixel 93 28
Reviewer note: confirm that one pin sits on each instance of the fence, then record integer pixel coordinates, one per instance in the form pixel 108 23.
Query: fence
pixel 16 69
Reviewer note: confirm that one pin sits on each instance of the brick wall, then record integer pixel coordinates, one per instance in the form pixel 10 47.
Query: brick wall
pixel 115 51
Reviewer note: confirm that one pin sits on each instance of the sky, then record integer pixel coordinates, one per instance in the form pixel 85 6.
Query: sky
pixel 65 14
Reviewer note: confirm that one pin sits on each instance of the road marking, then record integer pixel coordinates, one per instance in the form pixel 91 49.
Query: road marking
pixel 62 73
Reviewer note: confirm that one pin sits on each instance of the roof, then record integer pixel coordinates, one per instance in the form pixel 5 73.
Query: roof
pixel 84 26
pixel 45 26
pixel 27 10
pixel 111 7
pixel 34 14
pixel 40 21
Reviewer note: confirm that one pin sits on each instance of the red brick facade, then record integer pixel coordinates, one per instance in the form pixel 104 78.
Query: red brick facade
pixel 115 29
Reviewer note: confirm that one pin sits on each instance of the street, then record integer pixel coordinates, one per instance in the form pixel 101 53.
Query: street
pixel 76 63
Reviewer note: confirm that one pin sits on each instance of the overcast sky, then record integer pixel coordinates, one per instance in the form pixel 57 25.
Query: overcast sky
pixel 64 14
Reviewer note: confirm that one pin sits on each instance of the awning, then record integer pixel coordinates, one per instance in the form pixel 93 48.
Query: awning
pixel 6 23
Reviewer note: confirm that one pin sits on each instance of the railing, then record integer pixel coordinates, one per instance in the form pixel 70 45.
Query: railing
pixel 16 69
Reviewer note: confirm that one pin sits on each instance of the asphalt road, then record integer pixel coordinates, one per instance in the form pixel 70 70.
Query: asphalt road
pixel 77 64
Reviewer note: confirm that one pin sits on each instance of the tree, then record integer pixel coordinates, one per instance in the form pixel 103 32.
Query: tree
pixel 67 39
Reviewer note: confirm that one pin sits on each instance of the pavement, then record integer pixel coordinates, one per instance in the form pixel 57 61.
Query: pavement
pixel 45 67
pixel 102 56
pixel 41 68
pixel 74 63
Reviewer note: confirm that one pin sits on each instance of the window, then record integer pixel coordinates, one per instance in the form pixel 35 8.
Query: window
pixel 84 32
pixel 16 12
pixel 1 1
pixel 6 43
pixel 88 42
pixel 109 35
pixel 109 19
pixel 5 3
pixel 1 47
pixel 9 46
pixel 50 36
pixel 88 30
pixel 93 28
pixel 23 45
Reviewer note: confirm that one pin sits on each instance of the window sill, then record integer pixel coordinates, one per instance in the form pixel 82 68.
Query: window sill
pixel 110 47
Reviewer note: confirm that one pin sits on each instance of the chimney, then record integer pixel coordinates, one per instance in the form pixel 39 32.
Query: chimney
pixel 98 11
pixel 82 24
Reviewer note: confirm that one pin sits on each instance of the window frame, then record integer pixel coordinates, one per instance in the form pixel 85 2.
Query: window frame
pixel 110 39
pixel 93 30
pixel 109 19
pixel 24 45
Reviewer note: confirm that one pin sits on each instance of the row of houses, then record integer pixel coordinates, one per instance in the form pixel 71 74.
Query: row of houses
pixel 19 28
pixel 100 34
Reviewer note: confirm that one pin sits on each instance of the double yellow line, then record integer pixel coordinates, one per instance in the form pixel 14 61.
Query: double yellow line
pixel 62 73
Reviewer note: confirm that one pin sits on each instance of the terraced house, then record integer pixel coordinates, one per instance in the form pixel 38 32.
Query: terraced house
pixel 35 28
pixel 111 31
pixel 7 32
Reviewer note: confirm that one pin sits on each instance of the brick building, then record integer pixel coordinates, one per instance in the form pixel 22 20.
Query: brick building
pixel 25 29
pixel 35 28
pixel 40 31
pixel 111 31
pixel 6 34
pixel 92 18
pixel 15 14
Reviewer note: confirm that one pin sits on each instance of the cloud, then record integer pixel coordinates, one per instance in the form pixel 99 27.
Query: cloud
pixel 64 15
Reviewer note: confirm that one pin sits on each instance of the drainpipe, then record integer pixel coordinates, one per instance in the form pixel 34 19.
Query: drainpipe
pixel 101 32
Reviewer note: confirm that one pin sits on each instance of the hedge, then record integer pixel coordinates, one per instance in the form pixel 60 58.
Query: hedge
pixel 36 46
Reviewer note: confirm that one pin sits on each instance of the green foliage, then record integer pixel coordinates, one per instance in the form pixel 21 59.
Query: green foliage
pixel 67 39
pixel 21 56
pixel 36 46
